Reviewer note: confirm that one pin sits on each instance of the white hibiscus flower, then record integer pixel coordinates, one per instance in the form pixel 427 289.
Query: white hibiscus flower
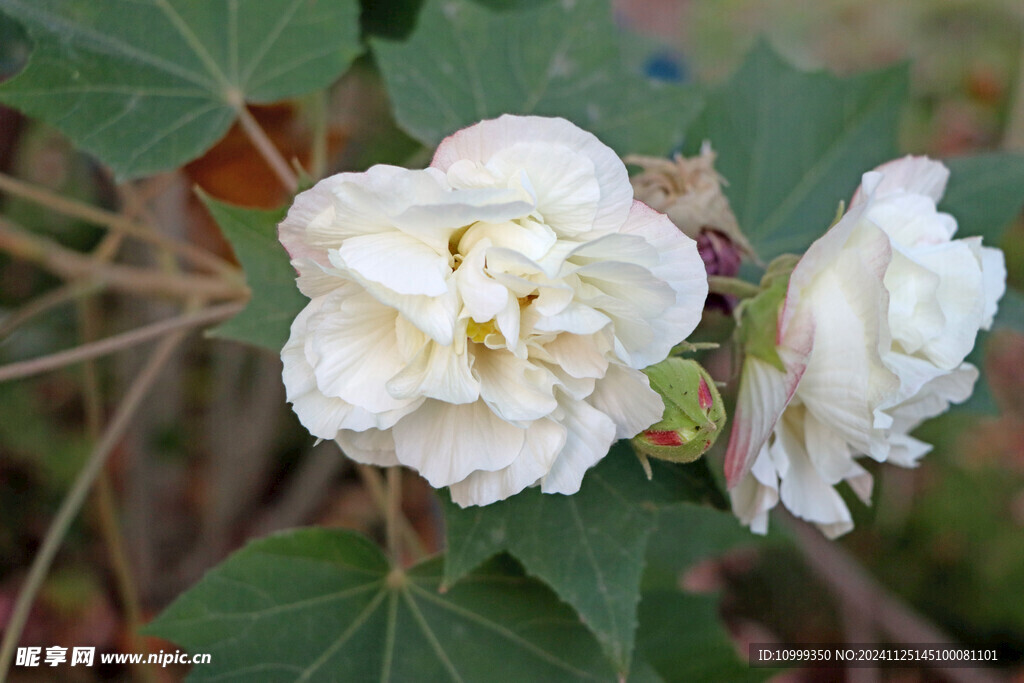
pixel 879 315
pixel 484 320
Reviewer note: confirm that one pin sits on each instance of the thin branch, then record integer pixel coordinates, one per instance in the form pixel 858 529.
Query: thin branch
pixel 267 150
pixel 73 501
pixel 1013 137
pixel 318 152
pixel 855 588
pixel 116 343
pixel 117 223
pixel 73 265
pixel 44 302
pixel 104 499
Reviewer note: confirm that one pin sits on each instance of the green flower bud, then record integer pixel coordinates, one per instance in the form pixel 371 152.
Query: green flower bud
pixel 694 413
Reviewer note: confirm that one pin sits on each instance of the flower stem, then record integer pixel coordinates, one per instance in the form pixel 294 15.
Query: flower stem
pixel 266 148
pixel 118 342
pixel 720 284
pixel 375 486
pixel 394 514
pixel 76 496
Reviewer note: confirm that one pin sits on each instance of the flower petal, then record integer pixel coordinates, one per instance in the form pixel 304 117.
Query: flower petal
pixel 625 395
pixel 445 443
pixel 352 347
pixel 437 371
pixel 916 175
pixel 590 435
pixel 764 394
pixel 371 447
pixel 682 268
pixel 321 415
pixel 481 142
pixel 578 355
pixel 544 440
pixel 397 261
pixel 514 388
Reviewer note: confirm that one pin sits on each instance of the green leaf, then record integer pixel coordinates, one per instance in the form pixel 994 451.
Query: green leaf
pixel 464 63
pixel 984 194
pixel 687 534
pixel 793 144
pixel 147 85
pixel 681 636
pixel 322 604
pixel 275 301
pixel 589 547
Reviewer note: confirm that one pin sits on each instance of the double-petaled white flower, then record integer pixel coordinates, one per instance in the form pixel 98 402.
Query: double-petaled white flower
pixel 484 320
pixel 879 315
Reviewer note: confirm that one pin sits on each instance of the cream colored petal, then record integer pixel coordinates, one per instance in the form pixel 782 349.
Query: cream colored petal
pixel 352 347
pixel 445 443
pixel 372 447
pixel 439 372
pixel 544 440
pixel 625 395
pixel 483 141
pixel 590 434
pixel 515 389
pixel 397 261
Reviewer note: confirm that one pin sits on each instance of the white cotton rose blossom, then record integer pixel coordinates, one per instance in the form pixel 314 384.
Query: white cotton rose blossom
pixel 484 320
pixel 879 315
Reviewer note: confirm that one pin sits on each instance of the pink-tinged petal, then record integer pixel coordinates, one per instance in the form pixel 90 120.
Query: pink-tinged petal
pixel 348 204
pixel 397 261
pixel 544 440
pixel 445 443
pixel 590 434
pixel 764 394
pixel 915 175
pixel 372 447
pixel 488 139
pixel 312 210
pixel 316 280
pixel 625 395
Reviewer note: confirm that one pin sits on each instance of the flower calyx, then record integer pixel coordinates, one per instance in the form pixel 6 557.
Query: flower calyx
pixel 694 413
